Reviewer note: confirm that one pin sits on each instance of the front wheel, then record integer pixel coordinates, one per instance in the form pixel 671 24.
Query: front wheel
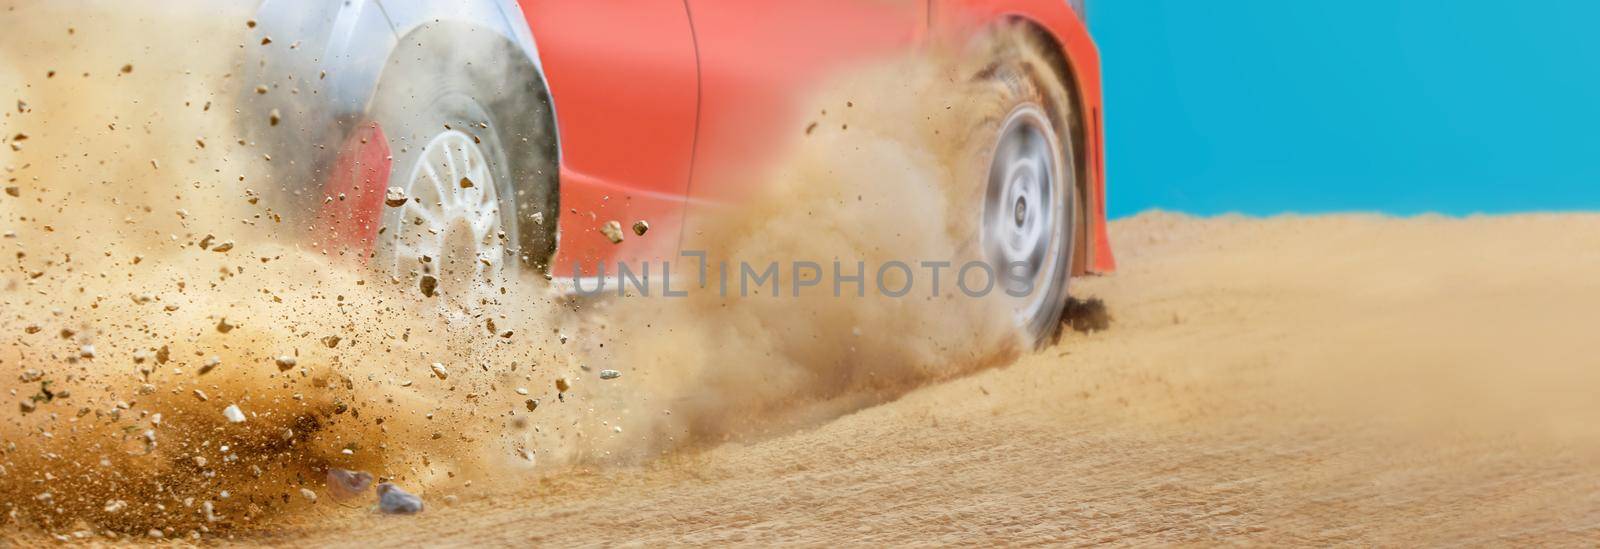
pixel 472 140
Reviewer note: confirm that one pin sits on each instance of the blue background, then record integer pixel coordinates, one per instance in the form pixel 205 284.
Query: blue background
pixel 1398 106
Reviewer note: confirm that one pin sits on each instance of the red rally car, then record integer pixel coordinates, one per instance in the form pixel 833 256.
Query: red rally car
pixel 516 128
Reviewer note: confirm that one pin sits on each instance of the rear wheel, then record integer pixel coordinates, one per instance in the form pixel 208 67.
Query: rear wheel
pixel 1029 218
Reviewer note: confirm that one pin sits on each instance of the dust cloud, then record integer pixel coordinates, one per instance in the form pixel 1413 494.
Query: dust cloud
pixel 153 289
pixel 882 175
pixel 155 297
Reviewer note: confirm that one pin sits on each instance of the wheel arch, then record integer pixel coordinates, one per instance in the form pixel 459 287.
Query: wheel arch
pixel 349 43
pixel 413 19
pixel 1077 60
pixel 332 57
pixel 1058 58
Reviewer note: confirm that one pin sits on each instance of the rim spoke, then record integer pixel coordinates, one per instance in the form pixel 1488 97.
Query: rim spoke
pixel 459 224
pixel 482 224
pixel 405 252
pixel 469 160
pixel 1022 222
pixel 450 162
pixel 428 217
pixel 442 196
pixel 481 173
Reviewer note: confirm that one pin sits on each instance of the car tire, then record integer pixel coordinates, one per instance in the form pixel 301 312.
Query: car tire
pixel 1022 153
pixel 472 139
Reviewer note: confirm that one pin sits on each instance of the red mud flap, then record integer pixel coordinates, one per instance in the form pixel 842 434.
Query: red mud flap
pixel 352 204
pixel 1103 262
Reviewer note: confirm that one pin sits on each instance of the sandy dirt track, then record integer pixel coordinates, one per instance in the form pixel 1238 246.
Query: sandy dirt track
pixel 1314 380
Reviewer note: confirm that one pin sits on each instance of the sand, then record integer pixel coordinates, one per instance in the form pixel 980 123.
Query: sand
pixel 1307 380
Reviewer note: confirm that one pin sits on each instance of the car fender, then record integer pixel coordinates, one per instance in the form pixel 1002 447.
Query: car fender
pixel 320 64
pixel 1062 25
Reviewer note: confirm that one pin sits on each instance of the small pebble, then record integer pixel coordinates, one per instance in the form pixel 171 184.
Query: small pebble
pixel 233 413
pixel 210 364
pixel 613 231
pixel 394 501
pixel 395 197
pixel 610 374
pixel 344 484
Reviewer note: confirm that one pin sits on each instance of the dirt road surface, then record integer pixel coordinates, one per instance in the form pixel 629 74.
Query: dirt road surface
pixel 1311 380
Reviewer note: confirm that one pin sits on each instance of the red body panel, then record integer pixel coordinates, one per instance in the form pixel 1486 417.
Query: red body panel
pixel 623 74
pixel 760 60
pixel 637 83
pixel 353 203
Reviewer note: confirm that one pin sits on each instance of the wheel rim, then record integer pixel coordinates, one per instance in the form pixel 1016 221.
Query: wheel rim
pixel 1024 210
pixel 451 228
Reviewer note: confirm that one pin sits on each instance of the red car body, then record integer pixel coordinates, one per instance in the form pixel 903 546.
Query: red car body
pixel 648 94
pixel 652 97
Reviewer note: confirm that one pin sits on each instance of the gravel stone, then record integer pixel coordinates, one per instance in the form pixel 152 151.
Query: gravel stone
pixel 394 501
